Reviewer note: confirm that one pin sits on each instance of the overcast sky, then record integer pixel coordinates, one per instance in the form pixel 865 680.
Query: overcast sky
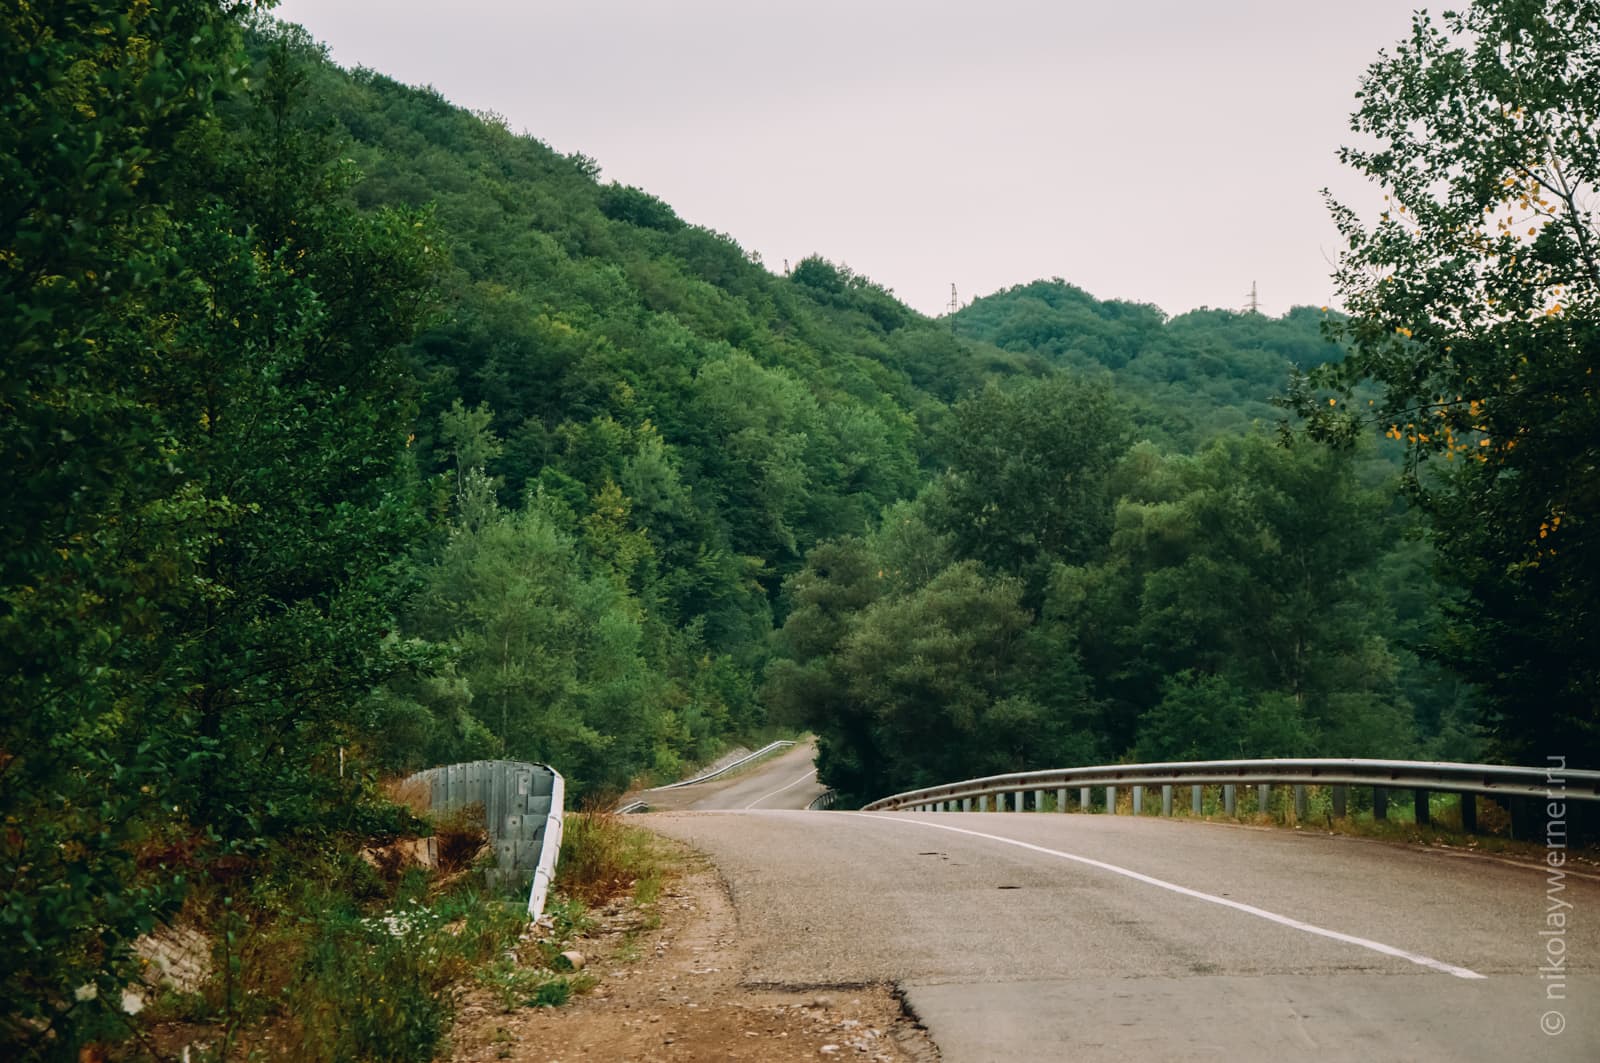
pixel 1167 151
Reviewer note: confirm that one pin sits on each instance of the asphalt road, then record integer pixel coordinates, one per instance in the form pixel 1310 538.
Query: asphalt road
pixel 1115 938
pixel 788 780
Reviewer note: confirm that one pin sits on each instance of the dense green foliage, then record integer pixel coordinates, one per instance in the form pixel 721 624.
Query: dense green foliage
pixel 1476 303
pixel 1186 378
pixel 347 432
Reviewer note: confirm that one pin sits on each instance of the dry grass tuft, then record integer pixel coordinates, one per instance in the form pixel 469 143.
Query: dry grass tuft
pixel 603 857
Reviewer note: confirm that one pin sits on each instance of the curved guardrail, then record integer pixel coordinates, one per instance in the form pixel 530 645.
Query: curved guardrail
pixel 1422 777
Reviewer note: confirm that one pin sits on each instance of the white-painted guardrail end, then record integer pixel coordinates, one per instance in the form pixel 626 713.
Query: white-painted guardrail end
pixel 550 850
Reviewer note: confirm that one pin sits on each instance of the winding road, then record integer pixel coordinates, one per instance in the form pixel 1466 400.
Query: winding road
pixel 1027 936
pixel 788 780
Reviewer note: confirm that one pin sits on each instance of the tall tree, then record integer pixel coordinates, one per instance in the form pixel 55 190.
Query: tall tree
pixel 289 405
pixel 1475 303
pixel 96 102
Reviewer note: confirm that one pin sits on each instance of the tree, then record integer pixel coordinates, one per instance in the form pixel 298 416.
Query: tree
pixel 551 654
pixel 96 102
pixel 1028 474
pixel 1475 306
pixel 1251 562
pixel 288 403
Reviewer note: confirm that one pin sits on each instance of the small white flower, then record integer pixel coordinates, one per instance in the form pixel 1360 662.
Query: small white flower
pixel 87 991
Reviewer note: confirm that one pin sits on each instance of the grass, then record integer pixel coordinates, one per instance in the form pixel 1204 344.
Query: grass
pixel 603 857
pixel 324 955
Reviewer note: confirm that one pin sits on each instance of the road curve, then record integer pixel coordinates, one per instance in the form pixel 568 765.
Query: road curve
pixel 1049 937
pixel 786 781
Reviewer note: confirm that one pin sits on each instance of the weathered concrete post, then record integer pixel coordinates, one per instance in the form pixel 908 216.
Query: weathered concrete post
pixel 1111 800
pixel 1166 799
pixel 1263 797
pixel 1299 801
pixel 1138 799
pixel 1196 799
pixel 1083 799
pixel 1230 798
pixel 1061 799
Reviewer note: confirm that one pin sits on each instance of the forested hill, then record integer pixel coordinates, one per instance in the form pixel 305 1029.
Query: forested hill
pixel 1189 377
pixel 641 434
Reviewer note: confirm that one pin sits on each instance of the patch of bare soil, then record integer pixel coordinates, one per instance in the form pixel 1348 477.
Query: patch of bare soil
pixel 671 992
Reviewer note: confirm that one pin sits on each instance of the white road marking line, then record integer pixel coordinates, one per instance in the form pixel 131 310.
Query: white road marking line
pixel 1249 909
pixel 780 789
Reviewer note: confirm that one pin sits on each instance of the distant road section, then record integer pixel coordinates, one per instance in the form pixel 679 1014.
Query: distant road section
pixel 787 781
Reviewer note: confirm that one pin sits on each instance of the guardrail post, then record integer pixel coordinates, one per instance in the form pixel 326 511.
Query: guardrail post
pixel 1299 801
pixel 1111 800
pixel 1263 797
pixel 1138 799
pixel 1380 803
pixel 1000 802
pixel 983 802
pixel 1083 800
pixel 1341 800
pixel 1196 799
pixel 1419 802
pixel 966 804
pixel 1469 813
pixel 1061 799
pixel 1166 800
pixel 1038 800
pixel 1230 798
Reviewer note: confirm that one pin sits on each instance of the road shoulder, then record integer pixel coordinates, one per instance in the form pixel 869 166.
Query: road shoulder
pixel 673 992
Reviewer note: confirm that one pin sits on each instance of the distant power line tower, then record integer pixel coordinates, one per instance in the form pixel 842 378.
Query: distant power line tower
pixel 1254 305
pixel 953 307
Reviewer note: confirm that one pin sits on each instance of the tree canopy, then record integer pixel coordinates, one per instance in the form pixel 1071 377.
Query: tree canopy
pixel 1475 307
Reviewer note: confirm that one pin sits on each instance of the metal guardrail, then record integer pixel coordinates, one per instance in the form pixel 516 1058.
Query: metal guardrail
pixel 1422 777
pixel 522 809
pixel 741 762
pixel 823 801
pixel 631 807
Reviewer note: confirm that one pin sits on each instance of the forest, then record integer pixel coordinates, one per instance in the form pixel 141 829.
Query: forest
pixel 348 432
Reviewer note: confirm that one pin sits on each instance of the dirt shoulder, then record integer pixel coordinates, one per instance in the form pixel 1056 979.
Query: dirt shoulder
pixel 668 989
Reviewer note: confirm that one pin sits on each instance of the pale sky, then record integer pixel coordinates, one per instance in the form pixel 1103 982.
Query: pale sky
pixel 1165 151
